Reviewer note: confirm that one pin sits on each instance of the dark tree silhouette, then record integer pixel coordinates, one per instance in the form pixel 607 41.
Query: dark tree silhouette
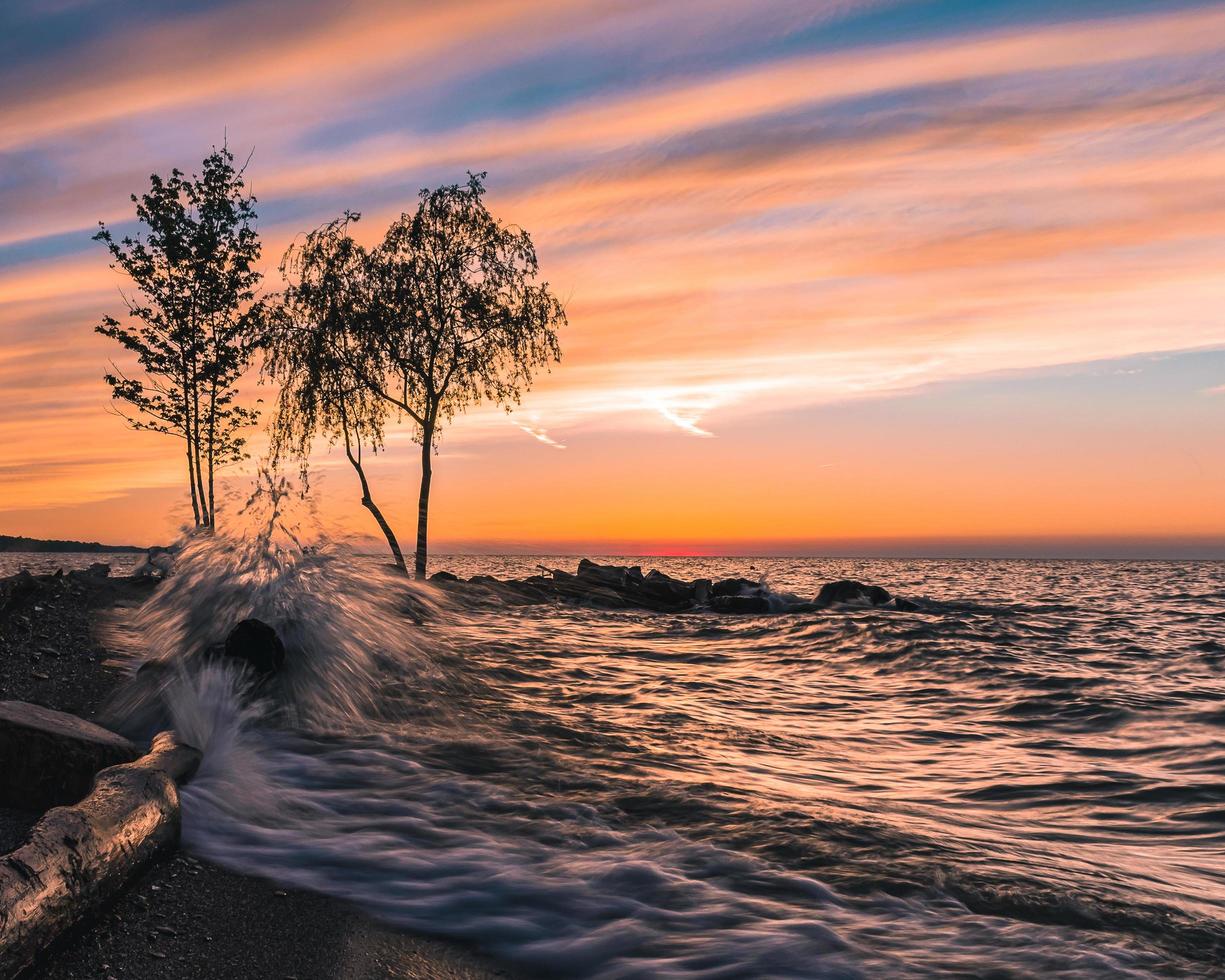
pixel 455 317
pixel 194 320
pixel 314 353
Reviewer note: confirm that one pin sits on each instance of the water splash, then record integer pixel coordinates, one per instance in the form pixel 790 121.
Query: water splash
pixel 347 625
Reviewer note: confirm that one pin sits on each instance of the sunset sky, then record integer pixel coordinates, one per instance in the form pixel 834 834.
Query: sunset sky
pixel 842 275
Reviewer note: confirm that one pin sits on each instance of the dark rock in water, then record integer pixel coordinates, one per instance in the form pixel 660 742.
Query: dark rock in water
pixel 97 570
pixel 701 591
pixel 589 592
pixel 735 586
pixel 613 576
pixel 663 587
pixel 846 590
pixel 157 564
pixel 49 758
pixel 740 604
pixel 445 577
pixel 905 605
pixel 256 643
pixel 625 587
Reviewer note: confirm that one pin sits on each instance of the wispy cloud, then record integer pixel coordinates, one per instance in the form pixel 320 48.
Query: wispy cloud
pixel 537 432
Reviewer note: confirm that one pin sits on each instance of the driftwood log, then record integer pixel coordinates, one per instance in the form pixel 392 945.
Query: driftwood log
pixel 76 857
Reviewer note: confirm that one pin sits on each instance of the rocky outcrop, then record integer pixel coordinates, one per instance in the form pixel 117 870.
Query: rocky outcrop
pixel 626 587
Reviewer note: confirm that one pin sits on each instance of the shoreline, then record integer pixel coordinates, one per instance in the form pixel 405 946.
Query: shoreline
pixel 185 917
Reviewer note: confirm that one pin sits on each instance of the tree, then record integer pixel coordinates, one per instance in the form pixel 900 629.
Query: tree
pixel 194 321
pixel 313 352
pixel 455 316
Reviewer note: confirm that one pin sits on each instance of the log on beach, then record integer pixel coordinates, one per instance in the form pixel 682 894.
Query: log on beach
pixel 77 857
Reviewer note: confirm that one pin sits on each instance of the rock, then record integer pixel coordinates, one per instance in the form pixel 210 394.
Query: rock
pixel 158 563
pixel 701 591
pixel 740 604
pixel 613 576
pixel 665 588
pixel 256 644
pixel 589 592
pixel 445 577
pixel 735 586
pixel 49 758
pixel 905 605
pixel 23 584
pixel 846 590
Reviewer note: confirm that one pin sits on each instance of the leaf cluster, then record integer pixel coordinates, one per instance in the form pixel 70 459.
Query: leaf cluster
pixel 194 319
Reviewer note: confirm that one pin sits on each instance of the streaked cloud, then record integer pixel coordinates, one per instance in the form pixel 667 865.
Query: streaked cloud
pixel 752 210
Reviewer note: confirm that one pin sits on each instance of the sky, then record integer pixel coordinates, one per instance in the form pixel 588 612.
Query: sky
pixel 842 276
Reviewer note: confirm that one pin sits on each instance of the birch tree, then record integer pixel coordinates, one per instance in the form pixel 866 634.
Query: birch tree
pixel 455 316
pixel 193 319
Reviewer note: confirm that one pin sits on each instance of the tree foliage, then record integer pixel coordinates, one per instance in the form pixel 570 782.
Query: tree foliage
pixel 445 312
pixel 456 317
pixel 194 319
pixel 315 355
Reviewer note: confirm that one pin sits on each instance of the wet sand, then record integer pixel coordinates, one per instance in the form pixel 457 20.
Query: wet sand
pixel 186 918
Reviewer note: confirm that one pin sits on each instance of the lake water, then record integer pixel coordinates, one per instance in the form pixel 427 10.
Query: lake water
pixel 1026 778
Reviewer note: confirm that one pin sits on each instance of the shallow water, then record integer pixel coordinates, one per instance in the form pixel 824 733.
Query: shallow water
pixel 1026 778
pixel 49 562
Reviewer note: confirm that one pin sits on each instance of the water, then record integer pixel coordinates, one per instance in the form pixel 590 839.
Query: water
pixel 1027 778
pixel 49 562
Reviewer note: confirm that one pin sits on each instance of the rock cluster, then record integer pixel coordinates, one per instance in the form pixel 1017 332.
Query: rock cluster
pixel 627 587
pixel 22 587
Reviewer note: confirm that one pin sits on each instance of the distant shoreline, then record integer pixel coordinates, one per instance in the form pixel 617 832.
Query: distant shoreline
pixel 10 543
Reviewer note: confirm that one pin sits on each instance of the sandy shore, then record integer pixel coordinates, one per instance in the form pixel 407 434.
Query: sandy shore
pixel 185 918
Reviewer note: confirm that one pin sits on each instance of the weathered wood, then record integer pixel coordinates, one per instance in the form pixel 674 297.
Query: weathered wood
pixel 77 857
pixel 49 758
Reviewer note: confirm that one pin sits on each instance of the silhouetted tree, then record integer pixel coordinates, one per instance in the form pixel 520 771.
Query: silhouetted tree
pixel 455 316
pixel 194 320
pixel 314 353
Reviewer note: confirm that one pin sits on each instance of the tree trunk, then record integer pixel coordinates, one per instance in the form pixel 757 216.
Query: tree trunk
pixel 206 512
pixel 423 502
pixel 191 466
pixel 212 510
pixel 369 504
pixel 191 482
pixel 212 452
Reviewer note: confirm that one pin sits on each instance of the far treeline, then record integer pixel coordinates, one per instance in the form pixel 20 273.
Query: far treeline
pixel 445 312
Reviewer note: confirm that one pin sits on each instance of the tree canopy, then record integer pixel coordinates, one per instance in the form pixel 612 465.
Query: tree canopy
pixel 446 311
pixel 193 321
pixel 456 317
